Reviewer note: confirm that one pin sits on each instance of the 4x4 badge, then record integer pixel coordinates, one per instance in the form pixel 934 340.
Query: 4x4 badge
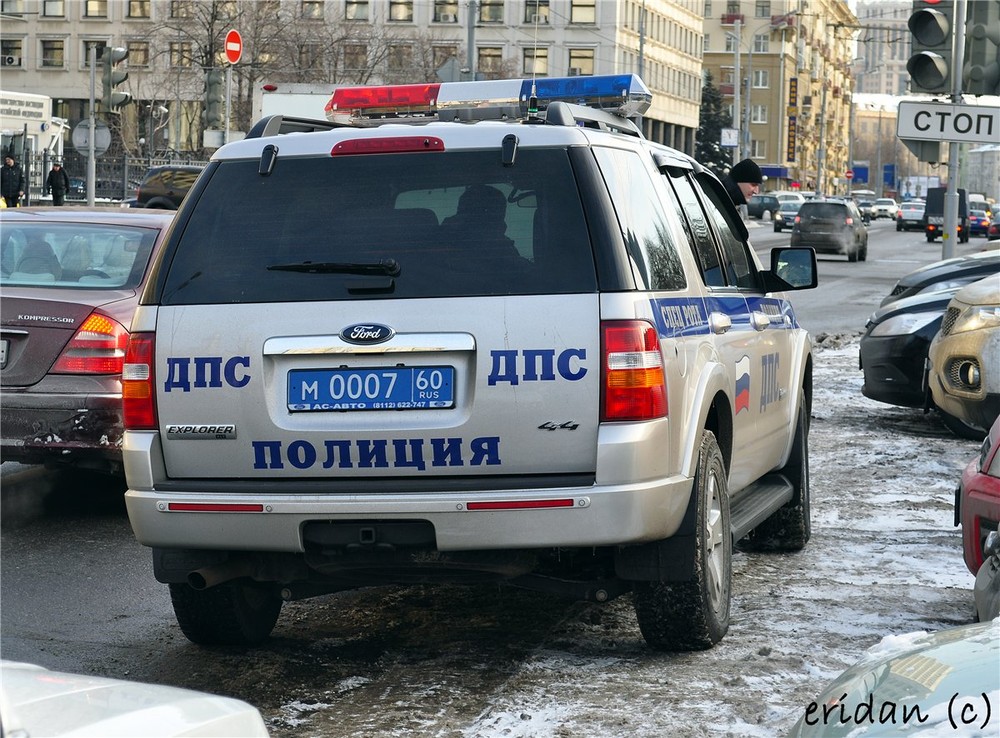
pixel 367 333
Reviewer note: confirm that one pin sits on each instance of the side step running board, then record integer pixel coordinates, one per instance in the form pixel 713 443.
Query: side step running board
pixel 757 502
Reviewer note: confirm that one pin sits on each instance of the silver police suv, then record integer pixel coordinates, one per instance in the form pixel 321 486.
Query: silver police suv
pixel 465 332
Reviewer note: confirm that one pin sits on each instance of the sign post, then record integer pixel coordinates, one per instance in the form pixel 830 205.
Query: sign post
pixel 234 52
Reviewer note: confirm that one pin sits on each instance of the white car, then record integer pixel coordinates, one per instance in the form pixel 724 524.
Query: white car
pixel 35 701
pixel 885 207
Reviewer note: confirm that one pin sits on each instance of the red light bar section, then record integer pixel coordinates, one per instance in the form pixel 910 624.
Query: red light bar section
pixel 393 145
pixel 519 504
pixel 213 507
pixel 391 97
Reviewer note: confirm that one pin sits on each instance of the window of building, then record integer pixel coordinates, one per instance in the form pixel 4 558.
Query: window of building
pixel 312 9
pixel 758 149
pixel 180 54
pixel 181 9
pixel 310 56
pixel 11 49
pixel 761 42
pixel 761 78
pixel 227 9
pixel 489 61
pixel 54 8
pixel 445 11
pixel 581 60
pixel 95 9
pixel 443 53
pixel 53 53
pixel 727 75
pixel 730 44
pixel 14 7
pixel 758 114
pixel 139 9
pixel 400 57
pixel 491 11
pixel 355 57
pixel 733 7
pixel 356 10
pixel 706 43
pixel 401 11
pixel 762 9
pixel 536 10
pixel 536 61
pixel 708 8
pixel 583 11
pixel 98 47
pixel 138 53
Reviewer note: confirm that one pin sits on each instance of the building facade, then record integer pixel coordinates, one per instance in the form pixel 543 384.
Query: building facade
pixel 45 47
pixel 883 47
pixel 795 86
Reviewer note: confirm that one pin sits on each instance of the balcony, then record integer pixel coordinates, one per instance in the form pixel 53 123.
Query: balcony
pixel 731 18
pixel 726 89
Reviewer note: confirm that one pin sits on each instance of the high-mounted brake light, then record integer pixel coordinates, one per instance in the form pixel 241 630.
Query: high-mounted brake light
pixel 97 347
pixel 138 384
pixel 621 94
pixel 633 385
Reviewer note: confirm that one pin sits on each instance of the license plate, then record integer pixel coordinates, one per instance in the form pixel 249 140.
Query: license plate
pixel 384 388
pixel 3 353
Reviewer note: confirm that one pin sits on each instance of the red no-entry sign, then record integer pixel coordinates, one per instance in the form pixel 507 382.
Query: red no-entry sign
pixel 234 46
pixel 849 174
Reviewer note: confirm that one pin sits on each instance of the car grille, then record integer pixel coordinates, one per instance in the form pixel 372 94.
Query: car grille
pixel 948 322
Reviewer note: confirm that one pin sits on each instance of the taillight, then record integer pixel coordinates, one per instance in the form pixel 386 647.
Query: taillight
pixel 97 347
pixel 633 385
pixel 138 396
pixel 849 220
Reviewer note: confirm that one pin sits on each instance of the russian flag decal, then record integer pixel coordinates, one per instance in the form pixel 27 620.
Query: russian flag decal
pixel 743 385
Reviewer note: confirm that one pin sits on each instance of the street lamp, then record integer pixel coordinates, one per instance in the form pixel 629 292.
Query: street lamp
pixel 157 112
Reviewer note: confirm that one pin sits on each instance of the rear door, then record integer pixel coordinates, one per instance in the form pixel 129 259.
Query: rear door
pixel 360 327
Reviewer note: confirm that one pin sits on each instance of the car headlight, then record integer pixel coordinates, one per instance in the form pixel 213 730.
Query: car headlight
pixel 949 284
pixel 901 325
pixel 978 317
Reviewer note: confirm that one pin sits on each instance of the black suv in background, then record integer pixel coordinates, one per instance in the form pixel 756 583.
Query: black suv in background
pixel 832 227
pixel 164 187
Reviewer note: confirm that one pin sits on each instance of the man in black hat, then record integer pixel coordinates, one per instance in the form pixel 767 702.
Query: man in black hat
pixel 57 183
pixel 743 181
pixel 11 181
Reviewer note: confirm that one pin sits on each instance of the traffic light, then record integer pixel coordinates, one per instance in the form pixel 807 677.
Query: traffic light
pixel 112 77
pixel 215 97
pixel 932 32
pixel 981 74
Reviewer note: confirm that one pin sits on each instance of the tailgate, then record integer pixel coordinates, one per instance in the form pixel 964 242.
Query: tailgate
pixel 479 386
pixel 33 334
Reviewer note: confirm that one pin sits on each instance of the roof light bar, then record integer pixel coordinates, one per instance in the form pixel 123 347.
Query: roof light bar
pixel 622 94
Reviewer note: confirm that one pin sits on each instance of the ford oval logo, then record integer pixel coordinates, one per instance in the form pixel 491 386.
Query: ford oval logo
pixel 366 333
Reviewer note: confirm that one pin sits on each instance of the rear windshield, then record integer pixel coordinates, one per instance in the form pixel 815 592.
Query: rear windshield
pixel 73 255
pixel 823 210
pixel 384 226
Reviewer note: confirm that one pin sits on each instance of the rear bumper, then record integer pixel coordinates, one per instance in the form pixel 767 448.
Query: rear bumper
pixel 65 428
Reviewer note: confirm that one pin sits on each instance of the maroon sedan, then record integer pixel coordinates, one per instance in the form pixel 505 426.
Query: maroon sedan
pixel 71 279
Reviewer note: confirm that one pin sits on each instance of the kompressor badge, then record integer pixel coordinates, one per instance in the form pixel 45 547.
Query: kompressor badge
pixel 367 333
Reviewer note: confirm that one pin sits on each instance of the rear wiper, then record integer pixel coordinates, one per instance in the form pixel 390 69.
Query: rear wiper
pixel 383 267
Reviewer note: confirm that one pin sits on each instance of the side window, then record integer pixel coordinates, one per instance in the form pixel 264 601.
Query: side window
pixel 644 222
pixel 698 232
pixel 741 269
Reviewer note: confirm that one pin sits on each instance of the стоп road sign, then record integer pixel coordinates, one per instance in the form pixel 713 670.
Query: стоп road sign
pixel 234 46
pixel 934 121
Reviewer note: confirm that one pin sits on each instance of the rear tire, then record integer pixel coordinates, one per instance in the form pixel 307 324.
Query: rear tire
pixel 790 526
pixel 694 615
pixel 852 256
pixel 234 613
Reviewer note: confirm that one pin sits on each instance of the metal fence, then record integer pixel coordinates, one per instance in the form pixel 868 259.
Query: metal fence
pixel 116 178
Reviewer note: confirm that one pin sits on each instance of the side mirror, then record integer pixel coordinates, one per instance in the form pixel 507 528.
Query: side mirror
pixel 791 269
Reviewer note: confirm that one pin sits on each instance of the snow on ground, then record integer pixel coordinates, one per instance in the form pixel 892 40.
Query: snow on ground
pixel 885 559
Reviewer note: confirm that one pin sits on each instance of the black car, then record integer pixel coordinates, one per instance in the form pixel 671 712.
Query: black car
pixel 165 186
pixel 762 206
pixel 831 227
pixel 955 272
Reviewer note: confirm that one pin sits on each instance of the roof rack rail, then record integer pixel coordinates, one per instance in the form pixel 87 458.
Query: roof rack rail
pixel 561 113
pixel 275 125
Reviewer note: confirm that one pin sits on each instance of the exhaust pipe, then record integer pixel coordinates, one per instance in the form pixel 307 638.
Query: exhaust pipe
pixel 209 576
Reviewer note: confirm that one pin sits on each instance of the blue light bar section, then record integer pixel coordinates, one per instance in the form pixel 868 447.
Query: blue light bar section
pixel 624 94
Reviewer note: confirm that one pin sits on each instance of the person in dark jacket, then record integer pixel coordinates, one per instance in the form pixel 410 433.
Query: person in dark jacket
pixel 57 183
pixel 743 181
pixel 11 181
